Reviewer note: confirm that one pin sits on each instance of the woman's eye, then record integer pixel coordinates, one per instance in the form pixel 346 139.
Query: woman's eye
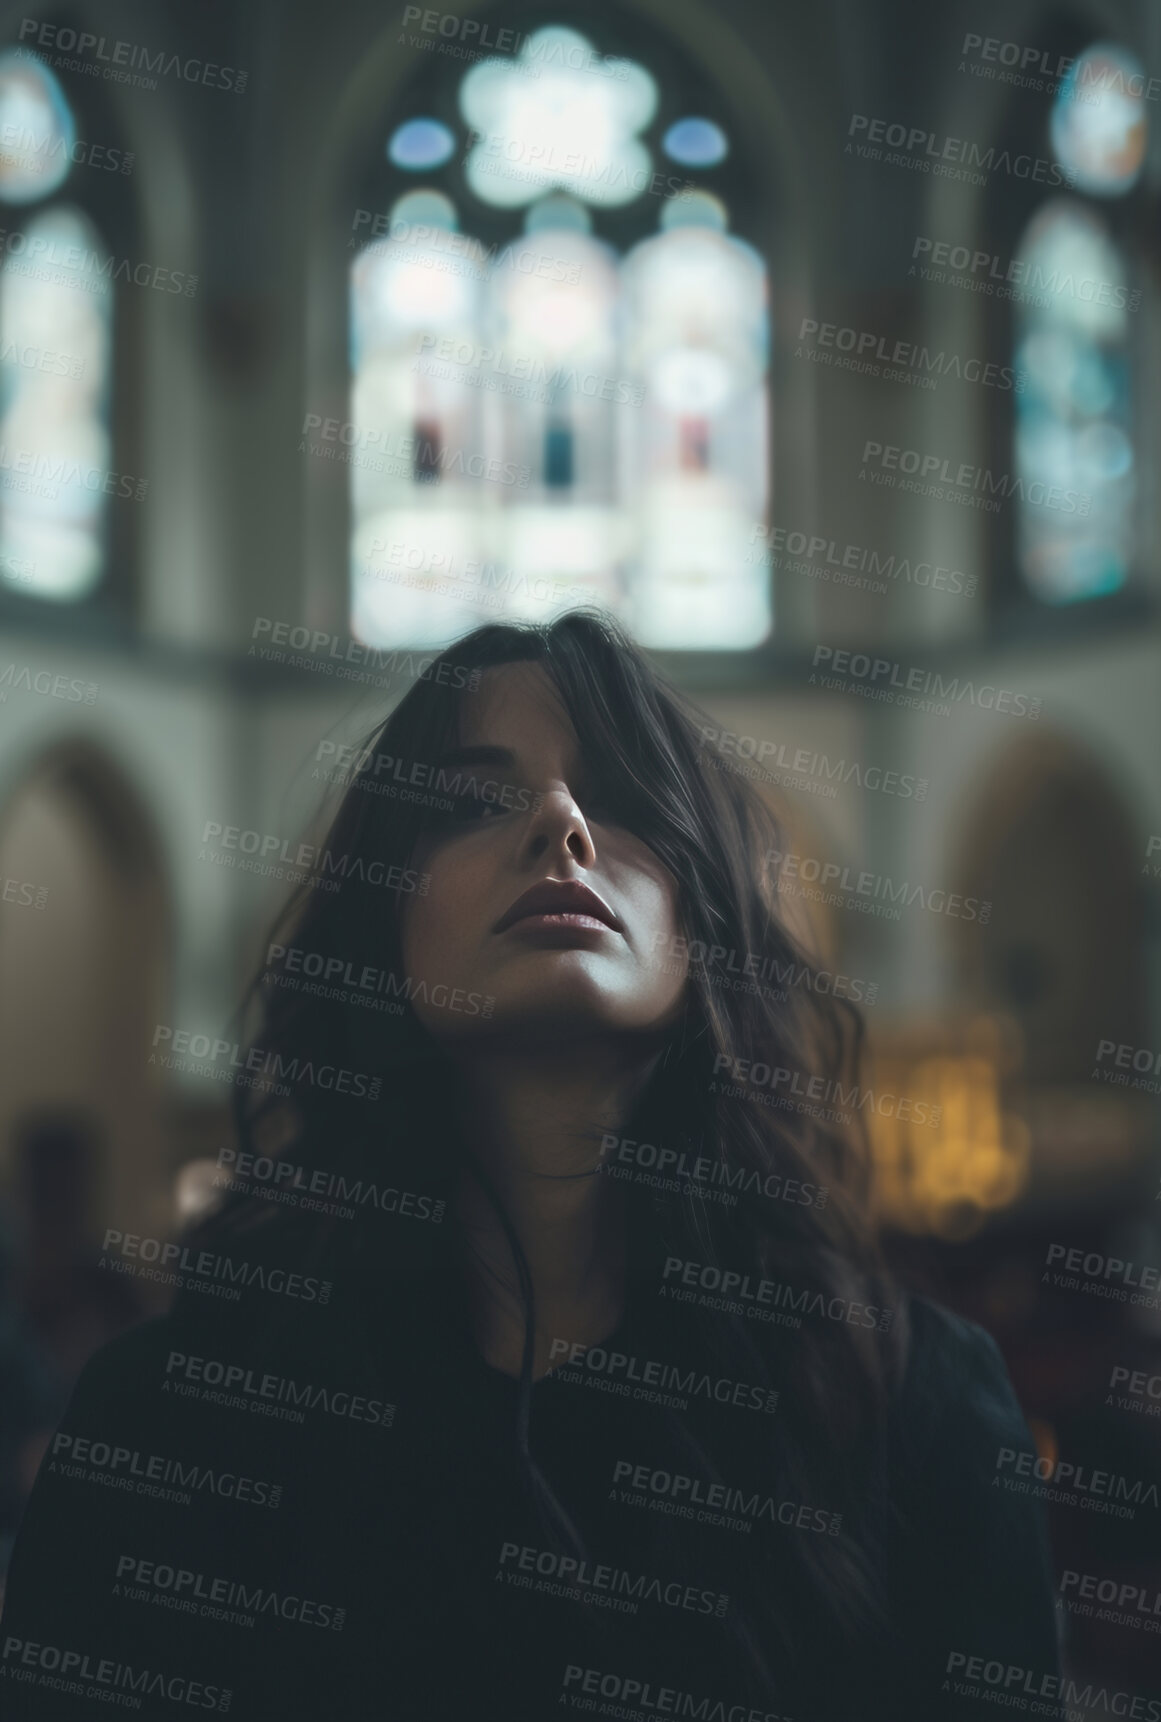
pixel 469 810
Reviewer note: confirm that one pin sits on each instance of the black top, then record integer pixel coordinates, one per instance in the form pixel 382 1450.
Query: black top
pixel 289 1515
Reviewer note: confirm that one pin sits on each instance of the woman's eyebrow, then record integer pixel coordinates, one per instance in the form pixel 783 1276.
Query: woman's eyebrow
pixel 479 756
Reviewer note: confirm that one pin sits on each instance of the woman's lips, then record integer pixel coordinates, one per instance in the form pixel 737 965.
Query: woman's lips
pixel 562 904
pixel 564 920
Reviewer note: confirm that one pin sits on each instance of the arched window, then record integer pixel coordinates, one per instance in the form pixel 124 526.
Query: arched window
pixel 1074 438
pixel 575 411
pixel 55 352
pixel 1074 443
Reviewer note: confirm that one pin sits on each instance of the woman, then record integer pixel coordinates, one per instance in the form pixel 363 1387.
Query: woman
pixel 535 1363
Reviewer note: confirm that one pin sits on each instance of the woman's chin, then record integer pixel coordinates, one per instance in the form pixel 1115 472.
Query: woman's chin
pixel 550 1013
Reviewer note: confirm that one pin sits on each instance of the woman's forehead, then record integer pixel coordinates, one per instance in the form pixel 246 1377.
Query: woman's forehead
pixel 517 706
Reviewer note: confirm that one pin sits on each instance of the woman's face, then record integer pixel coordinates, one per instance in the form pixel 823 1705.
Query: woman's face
pixel 551 963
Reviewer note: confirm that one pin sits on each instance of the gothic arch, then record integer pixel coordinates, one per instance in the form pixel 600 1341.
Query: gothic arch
pixel 84 958
pixel 1048 841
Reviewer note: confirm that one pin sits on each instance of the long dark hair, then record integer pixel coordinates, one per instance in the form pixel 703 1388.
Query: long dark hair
pixel 771 1003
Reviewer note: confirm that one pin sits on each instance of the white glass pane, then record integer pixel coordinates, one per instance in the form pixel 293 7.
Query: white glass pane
pixel 37 131
pixel 55 337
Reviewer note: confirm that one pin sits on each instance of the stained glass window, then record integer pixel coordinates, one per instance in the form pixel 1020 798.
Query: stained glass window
pixel 1074 447
pixel 1073 334
pixel 554 419
pixel 55 352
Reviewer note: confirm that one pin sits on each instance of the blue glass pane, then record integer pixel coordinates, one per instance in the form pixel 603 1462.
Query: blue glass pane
pixel 421 144
pixel 695 143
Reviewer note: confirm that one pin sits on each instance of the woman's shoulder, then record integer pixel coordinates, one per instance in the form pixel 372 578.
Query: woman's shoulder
pixel 954 1391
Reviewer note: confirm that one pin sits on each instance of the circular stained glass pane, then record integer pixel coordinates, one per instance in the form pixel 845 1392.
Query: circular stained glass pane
pixel 1098 120
pixel 695 143
pixel 419 145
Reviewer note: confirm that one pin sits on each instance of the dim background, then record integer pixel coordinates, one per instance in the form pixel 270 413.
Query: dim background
pixel 261 201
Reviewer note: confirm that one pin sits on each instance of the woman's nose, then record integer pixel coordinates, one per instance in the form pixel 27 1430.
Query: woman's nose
pixel 558 829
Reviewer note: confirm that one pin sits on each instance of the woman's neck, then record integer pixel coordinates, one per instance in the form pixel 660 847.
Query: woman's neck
pixel 537 1125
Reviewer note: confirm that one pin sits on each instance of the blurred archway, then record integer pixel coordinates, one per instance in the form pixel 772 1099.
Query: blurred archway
pixel 84 944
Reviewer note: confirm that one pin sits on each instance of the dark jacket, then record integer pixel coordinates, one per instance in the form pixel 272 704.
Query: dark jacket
pixel 290 1514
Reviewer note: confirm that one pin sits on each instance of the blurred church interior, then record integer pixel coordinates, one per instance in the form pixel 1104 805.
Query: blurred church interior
pixel 406 320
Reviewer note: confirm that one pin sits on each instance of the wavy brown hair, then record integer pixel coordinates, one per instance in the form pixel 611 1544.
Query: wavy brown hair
pixel 642 739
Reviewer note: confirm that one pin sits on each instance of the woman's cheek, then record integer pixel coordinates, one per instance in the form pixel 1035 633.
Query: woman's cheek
pixel 435 935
